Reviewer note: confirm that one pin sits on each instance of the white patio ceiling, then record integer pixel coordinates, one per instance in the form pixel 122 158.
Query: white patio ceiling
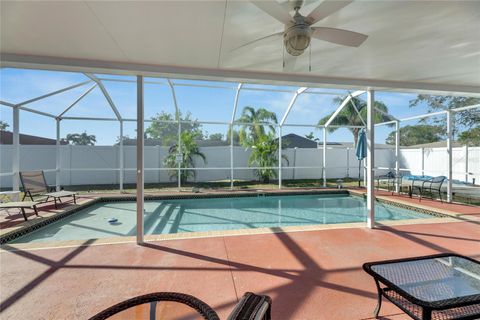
pixel 426 45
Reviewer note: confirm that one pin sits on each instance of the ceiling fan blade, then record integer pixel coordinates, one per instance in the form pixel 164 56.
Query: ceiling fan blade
pixel 290 62
pixel 274 9
pixel 274 35
pixel 325 9
pixel 339 36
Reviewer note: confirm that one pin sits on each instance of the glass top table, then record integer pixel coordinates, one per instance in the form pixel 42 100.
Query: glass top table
pixel 434 284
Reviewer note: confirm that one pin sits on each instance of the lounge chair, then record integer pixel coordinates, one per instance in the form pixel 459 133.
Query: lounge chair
pixel 22 205
pixel 251 306
pixel 391 178
pixel 431 186
pixel 34 184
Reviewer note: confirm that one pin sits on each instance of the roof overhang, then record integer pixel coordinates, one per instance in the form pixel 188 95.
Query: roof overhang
pixel 233 75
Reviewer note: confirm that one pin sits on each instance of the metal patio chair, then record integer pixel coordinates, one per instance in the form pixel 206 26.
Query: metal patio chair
pixel 431 186
pixel 35 184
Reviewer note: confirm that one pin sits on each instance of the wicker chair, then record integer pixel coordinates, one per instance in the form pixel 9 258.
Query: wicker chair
pixel 250 307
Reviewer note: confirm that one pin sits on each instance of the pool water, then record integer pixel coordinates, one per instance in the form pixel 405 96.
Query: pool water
pixel 193 215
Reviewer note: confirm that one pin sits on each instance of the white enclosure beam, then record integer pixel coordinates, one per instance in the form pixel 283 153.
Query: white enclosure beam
pixel 16 150
pixel 234 112
pixel 357 111
pixel 46 114
pixel 370 158
pixel 235 103
pixel 93 119
pixel 120 158
pixel 466 108
pixel 8 104
pixel 279 157
pixel 450 155
pixel 231 156
pixel 58 159
pixel 179 133
pixel 53 93
pixel 292 102
pixel 339 109
pixel 106 94
pixel 397 155
pixel 324 165
pixel 140 163
pixel 77 100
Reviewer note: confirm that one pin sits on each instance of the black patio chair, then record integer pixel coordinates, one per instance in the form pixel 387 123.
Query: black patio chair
pixel 392 179
pixel 250 307
pixel 431 186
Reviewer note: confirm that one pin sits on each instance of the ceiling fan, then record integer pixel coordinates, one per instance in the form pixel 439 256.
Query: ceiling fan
pixel 299 29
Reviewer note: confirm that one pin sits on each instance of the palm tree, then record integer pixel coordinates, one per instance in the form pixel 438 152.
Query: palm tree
pixel 265 155
pixel 189 151
pixel 82 139
pixel 348 115
pixel 249 134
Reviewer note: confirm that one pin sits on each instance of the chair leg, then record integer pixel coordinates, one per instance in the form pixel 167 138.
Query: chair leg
pixel 55 200
pixel 31 197
pixel 24 214
pixel 74 199
pixel 35 210
pixel 379 301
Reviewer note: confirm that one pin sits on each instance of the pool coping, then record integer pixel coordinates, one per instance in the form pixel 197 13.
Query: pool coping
pixel 37 224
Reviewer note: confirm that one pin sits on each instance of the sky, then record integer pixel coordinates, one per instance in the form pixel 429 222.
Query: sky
pixel 205 104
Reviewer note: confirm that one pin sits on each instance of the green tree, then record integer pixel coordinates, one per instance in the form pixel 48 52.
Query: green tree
pixel 265 154
pixel 348 115
pixel 81 139
pixel 250 134
pixel 466 119
pixel 189 151
pixel 311 137
pixel 164 127
pixel 236 136
pixel 417 134
pixel 215 137
pixel 470 137
pixel 3 125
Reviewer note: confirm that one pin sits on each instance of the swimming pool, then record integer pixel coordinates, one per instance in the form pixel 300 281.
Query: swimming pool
pixel 210 214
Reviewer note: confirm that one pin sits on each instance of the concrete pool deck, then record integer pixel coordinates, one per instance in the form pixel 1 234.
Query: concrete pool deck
pixel 309 275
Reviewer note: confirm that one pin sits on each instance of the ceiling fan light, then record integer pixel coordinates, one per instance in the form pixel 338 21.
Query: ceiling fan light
pixel 297 44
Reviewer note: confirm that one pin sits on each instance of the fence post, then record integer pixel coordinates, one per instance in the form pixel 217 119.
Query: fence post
pixel 450 156
pixel 422 150
pixel 348 162
pixel 466 163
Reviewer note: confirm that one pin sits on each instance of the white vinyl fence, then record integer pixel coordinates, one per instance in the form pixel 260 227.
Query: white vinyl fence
pixel 96 165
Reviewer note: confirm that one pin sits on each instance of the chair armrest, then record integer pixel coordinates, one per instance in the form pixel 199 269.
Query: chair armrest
pixel 252 306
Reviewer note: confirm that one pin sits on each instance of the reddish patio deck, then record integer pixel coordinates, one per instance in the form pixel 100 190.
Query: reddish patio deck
pixel 309 275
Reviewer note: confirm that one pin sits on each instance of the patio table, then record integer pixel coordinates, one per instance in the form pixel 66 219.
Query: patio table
pixel 442 286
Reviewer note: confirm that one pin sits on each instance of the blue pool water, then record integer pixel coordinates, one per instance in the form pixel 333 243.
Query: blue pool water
pixel 190 215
